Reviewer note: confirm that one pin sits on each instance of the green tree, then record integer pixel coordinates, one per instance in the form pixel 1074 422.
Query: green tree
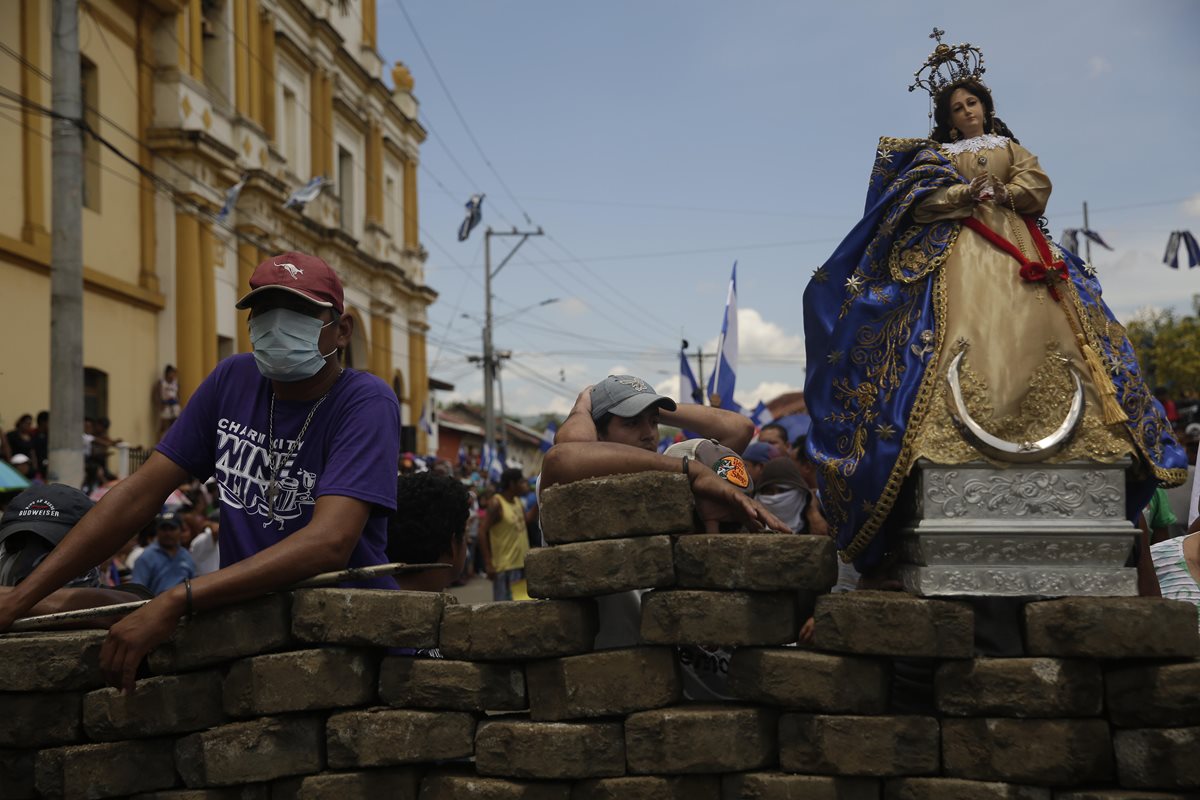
pixel 1168 349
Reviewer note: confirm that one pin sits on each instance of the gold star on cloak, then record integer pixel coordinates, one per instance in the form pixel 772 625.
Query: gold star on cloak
pixel 820 275
pixel 885 431
pixel 854 284
pixel 834 357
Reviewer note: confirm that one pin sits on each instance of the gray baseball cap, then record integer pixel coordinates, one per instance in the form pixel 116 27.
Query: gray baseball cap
pixel 626 396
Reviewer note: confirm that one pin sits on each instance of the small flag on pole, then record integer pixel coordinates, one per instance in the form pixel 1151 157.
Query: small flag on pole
pixel 548 437
pixel 689 390
pixel 1191 248
pixel 1070 238
pixel 306 193
pixel 723 378
pixel 474 215
pixel 231 198
pixel 424 421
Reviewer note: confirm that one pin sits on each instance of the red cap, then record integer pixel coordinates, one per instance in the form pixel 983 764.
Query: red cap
pixel 298 273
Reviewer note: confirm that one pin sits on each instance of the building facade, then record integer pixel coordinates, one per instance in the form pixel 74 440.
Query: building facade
pixel 197 97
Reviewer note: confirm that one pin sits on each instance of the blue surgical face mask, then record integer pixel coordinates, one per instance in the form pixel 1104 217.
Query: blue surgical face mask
pixel 286 344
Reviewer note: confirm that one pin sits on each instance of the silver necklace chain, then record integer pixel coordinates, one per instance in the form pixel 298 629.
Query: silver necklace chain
pixel 273 485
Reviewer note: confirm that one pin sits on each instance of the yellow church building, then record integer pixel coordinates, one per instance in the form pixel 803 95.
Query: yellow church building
pixel 203 95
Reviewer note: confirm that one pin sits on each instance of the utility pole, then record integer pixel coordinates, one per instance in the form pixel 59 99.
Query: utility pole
pixel 1087 240
pixel 489 355
pixel 66 252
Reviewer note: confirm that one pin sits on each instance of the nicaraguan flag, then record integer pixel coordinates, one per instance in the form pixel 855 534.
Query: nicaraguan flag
pixel 462 455
pixel 760 415
pixel 424 421
pixel 548 437
pixel 1095 237
pixel 474 215
pixel 306 193
pixel 723 378
pixel 689 390
pixel 1070 239
pixel 231 198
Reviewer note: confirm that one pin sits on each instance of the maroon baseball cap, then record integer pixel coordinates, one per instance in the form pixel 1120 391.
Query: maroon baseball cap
pixel 301 274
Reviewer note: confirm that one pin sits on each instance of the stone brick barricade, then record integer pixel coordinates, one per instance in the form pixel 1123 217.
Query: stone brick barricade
pixel 306 695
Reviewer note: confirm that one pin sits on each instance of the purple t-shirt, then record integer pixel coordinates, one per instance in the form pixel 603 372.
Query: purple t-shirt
pixel 351 448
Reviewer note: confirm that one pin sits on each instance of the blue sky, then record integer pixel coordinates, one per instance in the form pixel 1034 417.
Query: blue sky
pixel 657 142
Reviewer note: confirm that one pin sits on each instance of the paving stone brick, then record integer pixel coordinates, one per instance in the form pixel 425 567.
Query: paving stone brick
pixel 407 682
pixel 700 739
pixel 806 681
pixel 649 787
pixel 858 746
pixel 253 791
pixel 39 720
pixel 760 562
pixel 248 752
pixel 64 661
pixel 1036 751
pixel 375 784
pixel 1019 687
pixel 782 786
pixel 732 619
pixel 302 680
pixel 549 750
pixel 1121 794
pixel 618 506
pixel 161 705
pixel 455 785
pixel 381 737
pixel 1112 627
pixel 1158 758
pixel 16 774
pixel 376 617
pixel 1154 695
pixel 212 637
pixel 518 631
pixel 588 569
pixel 607 683
pixel 893 624
pixel 957 789
pixel 105 770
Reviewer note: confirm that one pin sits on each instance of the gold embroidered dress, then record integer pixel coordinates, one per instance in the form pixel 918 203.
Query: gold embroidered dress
pixel 1014 376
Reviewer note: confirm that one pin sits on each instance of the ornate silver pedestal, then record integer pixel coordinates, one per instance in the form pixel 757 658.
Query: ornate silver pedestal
pixel 1044 530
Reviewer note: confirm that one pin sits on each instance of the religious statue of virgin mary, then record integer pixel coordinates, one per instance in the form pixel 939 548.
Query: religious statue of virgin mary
pixel 948 326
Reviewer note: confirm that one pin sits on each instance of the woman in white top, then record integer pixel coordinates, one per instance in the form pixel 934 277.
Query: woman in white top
pixel 1177 564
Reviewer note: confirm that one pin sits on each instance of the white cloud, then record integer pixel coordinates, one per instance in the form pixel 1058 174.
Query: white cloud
pixel 572 306
pixel 1191 206
pixel 765 391
pixel 1098 65
pixel 758 337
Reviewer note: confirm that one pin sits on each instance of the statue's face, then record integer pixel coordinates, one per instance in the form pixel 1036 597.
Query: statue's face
pixel 966 113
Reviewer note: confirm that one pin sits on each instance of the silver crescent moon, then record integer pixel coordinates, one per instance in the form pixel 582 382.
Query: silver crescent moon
pixel 999 449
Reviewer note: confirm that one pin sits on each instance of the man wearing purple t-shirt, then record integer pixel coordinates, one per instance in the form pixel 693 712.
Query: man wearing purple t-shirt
pixel 304 453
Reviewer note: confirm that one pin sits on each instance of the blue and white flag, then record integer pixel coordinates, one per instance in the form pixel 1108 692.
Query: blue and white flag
pixel 306 193
pixel 689 390
pixel 760 415
pixel 424 421
pixel 474 215
pixel 462 455
pixel 231 198
pixel 548 437
pixel 1191 248
pixel 492 462
pixel 723 378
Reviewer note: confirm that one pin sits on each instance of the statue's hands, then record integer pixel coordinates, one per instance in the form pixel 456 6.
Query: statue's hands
pixel 1001 192
pixel 980 189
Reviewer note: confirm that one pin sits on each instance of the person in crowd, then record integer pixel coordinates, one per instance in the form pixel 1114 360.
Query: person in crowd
pixel 774 434
pixel 33 525
pixel 205 543
pixel 23 464
pixel 502 534
pixel 166 399
pixel 166 563
pixel 20 438
pixel 756 456
pixel 303 450
pixel 1163 396
pixel 785 494
pixel 41 444
pixel 429 527
pixel 1159 516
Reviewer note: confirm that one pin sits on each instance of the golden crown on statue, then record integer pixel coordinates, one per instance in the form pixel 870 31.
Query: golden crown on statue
pixel 947 66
